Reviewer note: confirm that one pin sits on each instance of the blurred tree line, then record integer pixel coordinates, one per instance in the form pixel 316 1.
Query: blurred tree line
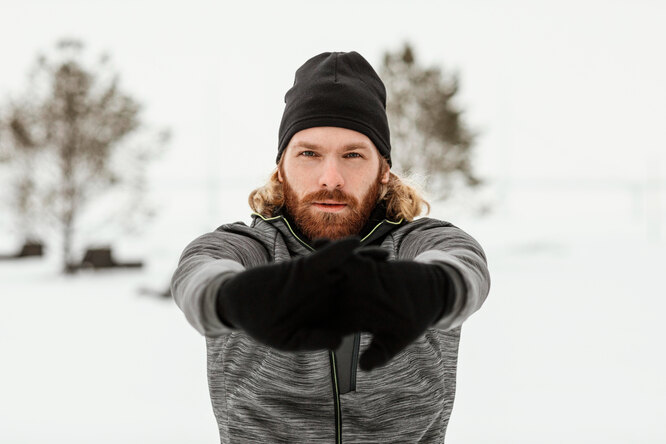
pixel 72 136
pixel 431 137
pixel 66 141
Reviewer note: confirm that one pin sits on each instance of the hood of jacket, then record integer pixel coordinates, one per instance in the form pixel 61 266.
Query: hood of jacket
pixel 373 232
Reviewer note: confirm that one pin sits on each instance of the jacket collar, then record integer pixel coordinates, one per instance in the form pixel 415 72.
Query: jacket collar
pixel 374 231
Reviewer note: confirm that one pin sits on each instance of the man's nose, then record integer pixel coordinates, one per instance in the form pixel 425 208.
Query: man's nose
pixel 331 176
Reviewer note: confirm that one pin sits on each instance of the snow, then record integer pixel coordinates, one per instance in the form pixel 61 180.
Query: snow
pixel 90 359
pixel 566 348
pixel 570 105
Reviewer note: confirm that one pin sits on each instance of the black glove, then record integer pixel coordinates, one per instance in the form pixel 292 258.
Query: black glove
pixel 396 301
pixel 289 305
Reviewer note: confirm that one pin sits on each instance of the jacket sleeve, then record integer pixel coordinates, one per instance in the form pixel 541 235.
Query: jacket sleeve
pixel 205 263
pixel 462 258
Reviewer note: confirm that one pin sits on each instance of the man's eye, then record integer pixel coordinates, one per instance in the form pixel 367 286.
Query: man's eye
pixel 305 152
pixel 357 154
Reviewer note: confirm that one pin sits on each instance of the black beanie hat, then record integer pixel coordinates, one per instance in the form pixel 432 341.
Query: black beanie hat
pixel 337 89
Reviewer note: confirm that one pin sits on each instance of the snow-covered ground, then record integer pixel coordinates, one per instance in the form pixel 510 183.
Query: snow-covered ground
pixel 569 345
pixel 567 349
pixel 90 359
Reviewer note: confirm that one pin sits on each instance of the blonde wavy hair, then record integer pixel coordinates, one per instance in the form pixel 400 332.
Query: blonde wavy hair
pixel 403 197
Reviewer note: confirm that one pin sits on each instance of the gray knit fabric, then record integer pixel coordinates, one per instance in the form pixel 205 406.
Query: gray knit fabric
pixel 260 394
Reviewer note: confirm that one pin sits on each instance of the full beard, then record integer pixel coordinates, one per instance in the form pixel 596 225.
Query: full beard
pixel 317 224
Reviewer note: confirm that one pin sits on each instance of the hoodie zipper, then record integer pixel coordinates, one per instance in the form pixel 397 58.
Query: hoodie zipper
pixel 332 360
pixel 334 373
pixel 336 392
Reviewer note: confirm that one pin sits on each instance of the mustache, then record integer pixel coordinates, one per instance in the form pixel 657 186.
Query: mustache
pixel 336 195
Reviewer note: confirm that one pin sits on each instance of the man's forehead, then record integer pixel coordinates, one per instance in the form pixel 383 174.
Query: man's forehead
pixel 359 145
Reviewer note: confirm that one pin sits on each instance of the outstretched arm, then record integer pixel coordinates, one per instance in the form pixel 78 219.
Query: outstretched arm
pixel 438 280
pixel 464 261
pixel 204 265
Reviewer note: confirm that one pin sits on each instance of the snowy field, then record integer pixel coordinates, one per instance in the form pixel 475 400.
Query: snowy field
pixel 569 100
pixel 567 349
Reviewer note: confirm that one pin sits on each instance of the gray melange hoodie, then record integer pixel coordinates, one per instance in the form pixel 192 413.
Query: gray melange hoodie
pixel 263 395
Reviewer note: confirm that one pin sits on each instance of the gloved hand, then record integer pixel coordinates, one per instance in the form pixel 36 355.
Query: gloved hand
pixel 289 305
pixel 396 301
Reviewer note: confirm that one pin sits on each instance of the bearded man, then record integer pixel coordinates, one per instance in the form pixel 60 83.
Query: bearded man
pixel 336 315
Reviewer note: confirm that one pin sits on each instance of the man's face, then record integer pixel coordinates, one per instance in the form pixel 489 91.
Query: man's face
pixel 331 178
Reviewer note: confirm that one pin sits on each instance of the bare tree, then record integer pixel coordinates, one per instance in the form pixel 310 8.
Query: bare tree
pixel 69 140
pixel 428 130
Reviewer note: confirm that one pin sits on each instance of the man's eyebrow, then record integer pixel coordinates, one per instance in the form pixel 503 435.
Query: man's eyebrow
pixel 348 147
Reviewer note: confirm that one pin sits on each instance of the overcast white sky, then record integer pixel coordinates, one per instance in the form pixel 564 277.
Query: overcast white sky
pixel 558 89
pixel 566 95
